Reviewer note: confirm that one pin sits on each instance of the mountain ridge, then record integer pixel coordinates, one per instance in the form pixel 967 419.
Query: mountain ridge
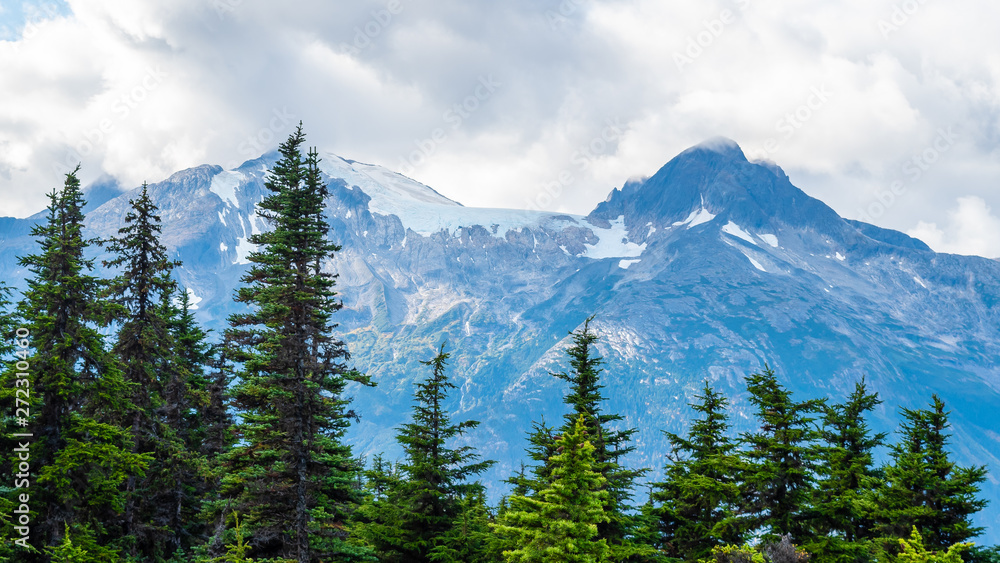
pixel 704 270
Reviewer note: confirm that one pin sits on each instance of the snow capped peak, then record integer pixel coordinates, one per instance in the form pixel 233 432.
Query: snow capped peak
pixel 720 145
pixel 386 188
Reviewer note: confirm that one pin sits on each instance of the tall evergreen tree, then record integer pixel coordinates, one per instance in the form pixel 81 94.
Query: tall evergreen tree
pixel 145 346
pixel 585 398
pixel 559 524
pixel 925 488
pixel 782 455
pixel 81 452
pixel 843 511
pixel 699 498
pixel 186 401
pixel 436 476
pixel 291 477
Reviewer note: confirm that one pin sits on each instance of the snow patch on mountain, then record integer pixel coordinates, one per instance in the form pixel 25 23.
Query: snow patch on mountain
pixel 755 263
pixel 697 217
pixel 769 239
pixel 624 264
pixel 224 185
pixel 733 229
pixel 613 243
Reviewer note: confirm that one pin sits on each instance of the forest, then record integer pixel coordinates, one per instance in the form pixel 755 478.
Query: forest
pixel 132 434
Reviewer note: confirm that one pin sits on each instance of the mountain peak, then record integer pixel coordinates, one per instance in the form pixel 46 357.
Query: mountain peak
pixel 720 145
pixel 715 177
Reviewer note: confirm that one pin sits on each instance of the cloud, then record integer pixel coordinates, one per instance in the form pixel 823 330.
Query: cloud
pixel 375 80
pixel 971 228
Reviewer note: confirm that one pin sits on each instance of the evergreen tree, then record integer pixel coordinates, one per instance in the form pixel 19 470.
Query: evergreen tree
pixel 81 454
pixel 842 503
pixel 585 398
pixel 469 539
pixel 145 346
pixel 185 403
pixel 780 479
pixel 559 524
pixel 436 476
pixel 542 445
pixel 291 476
pixel 924 488
pixel 701 493
pixel 377 519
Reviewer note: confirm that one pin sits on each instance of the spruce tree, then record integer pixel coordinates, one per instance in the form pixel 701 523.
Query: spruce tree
pixel 842 504
pixel 81 453
pixel 186 401
pixel 700 495
pixel 585 398
pixel 560 523
pixel 291 477
pixel 145 348
pixel 436 475
pixel 782 456
pixel 924 488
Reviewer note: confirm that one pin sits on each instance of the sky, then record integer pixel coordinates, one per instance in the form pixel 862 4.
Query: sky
pixel 887 110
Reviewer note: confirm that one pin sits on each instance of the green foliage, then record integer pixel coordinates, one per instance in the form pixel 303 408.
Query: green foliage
pixel 81 453
pixel 782 455
pixel 560 523
pixel 924 488
pixel 418 512
pixel 843 507
pixel 160 505
pixel 290 475
pixel 734 554
pixel 912 550
pixel 700 496
pixel 584 399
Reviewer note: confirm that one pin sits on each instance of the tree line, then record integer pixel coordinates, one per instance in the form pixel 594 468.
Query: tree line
pixel 152 443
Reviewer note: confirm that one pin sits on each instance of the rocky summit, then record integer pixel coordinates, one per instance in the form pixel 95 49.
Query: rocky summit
pixel 707 269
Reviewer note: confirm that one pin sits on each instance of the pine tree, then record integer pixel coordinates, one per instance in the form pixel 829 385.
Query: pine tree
pixel 469 539
pixel 145 348
pixel 542 445
pixel 924 488
pixel 81 453
pixel 186 401
pixel 377 519
pixel 559 524
pixel 779 482
pixel 701 493
pixel 436 476
pixel 291 476
pixel 842 503
pixel 585 398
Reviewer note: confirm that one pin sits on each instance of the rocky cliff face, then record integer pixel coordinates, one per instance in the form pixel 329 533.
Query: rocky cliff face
pixel 705 270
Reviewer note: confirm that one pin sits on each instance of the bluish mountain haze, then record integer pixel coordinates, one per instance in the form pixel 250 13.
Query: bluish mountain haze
pixel 707 269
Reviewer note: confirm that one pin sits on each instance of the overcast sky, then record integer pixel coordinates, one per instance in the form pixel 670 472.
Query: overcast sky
pixel 887 110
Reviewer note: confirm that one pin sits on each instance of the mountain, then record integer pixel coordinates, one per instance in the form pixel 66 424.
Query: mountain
pixel 705 270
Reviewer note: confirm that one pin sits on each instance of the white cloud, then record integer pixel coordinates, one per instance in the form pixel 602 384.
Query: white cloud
pixel 971 228
pixel 374 85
